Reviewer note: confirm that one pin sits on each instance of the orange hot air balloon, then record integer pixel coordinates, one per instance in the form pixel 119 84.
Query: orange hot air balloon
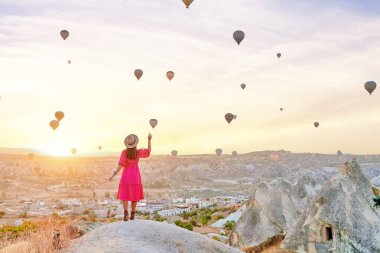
pixel 54 124
pixel 31 156
pixel 100 147
pixel 73 151
pixel 275 157
pixel 59 115
pixel 170 75
pixel 243 85
pixel 316 124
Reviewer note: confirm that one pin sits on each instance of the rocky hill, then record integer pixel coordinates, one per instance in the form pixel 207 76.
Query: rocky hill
pixel 143 236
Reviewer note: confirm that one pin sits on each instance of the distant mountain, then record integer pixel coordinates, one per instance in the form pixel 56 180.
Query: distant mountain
pixel 17 151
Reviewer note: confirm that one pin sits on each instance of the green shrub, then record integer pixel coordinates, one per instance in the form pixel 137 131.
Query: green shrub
pixel 188 226
pixel 215 238
pixel 194 222
pixel 217 217
pixel 229 225
pixel 179 223
pixel 204 221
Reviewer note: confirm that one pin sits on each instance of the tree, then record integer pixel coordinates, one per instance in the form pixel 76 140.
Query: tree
pixel 2 213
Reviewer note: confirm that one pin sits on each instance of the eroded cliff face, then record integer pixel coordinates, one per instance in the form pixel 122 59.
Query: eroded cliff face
pixel 273 210
pixel 341 217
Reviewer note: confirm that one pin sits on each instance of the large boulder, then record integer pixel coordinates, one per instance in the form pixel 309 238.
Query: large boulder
pixel 341 217
pixel 144 236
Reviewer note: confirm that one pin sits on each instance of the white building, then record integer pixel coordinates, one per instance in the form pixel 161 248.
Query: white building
pixel 192 200
pixel 178 201
pixel 70 202
pixel 205 204
pixel 174 211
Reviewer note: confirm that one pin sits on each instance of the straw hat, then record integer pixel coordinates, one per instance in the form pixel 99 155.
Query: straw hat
pixel 131 141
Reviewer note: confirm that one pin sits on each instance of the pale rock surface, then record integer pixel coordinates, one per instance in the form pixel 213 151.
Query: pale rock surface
pixel 144 236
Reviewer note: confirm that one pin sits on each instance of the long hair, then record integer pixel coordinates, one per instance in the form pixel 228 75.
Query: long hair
pixel 131 153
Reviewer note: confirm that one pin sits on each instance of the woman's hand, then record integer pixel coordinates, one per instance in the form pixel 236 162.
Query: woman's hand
pixel 111 177
pixel 149 137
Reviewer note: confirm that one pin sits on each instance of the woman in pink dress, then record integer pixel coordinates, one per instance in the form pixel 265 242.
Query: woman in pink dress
pixel 130 186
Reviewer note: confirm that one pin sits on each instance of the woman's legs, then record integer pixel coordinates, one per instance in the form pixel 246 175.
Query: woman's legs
pixel 134 203
pixel 125 205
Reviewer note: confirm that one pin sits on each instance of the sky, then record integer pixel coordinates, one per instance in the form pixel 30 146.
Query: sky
pixel 329 50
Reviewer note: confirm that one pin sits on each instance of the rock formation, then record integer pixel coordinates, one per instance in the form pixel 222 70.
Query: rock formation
pixel 273 209
pixel 144 236
pixel 341 217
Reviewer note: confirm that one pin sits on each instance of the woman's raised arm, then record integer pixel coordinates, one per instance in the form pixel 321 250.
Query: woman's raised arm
pixel 149 142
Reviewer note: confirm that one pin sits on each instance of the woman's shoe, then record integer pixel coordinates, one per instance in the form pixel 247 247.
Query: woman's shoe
pixel 133 215
pixel 125 215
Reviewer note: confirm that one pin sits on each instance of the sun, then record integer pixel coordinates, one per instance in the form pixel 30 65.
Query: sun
pixel 55 149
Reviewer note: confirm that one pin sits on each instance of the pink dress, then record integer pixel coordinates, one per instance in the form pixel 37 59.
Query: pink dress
pixel 130 186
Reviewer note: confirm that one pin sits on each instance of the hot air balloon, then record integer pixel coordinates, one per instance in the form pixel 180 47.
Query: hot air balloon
pixel 243 86
pixel 170 75
pixel 316 124
pixel 278 55
pixel 64 34
pixel 250 168
pixel 370 86
pixel 54 124
pixel 238 36
pixel 229 117
pixel 100 147
pixel 218 151
pixel 73 151
pixel 187 2
pixel 138 73
pixel 274 157
pixel 59 115
pixel 174 152
pixel 281 109
pixel 235 116
pixel 234 153
pixel 339 153
pixel 31 156
pixel 153 123
pixel 68 62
